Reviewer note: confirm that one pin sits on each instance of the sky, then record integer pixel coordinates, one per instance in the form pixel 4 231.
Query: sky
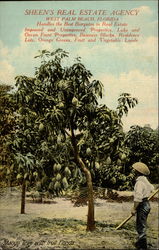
pixel 122 67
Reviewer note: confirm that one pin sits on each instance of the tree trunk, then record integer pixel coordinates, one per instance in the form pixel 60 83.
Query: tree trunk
pixel 103 191
pixel 90 216
pixel 9 185
pixel 9 180
pixel 23 197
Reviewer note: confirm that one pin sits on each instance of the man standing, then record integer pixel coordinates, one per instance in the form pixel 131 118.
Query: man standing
pixel 141 208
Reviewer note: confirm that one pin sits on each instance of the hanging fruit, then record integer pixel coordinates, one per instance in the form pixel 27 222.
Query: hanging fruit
pixel 57 167
pixel 88 151
pixel 67 171
pixel 122 156
pixel 58 177
pixel 97 166
pixel 108 160
pixel 41 126
pixel 113 180
pixel 57 185
pixel 64 182
pixel 74 101
pixel 51 186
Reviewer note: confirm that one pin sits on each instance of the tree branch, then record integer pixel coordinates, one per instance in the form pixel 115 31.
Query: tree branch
pixel 67 133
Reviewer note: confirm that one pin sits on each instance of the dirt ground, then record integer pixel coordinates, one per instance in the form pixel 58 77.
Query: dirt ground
pixel 60 225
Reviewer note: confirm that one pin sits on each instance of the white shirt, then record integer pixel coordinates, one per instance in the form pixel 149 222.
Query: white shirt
pixel 142 189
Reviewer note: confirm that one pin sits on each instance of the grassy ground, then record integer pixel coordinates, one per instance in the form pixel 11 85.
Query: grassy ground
pixel 60 225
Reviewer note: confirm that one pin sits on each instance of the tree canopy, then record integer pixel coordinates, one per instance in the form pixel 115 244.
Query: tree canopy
pixel 144 146
pixel 62 133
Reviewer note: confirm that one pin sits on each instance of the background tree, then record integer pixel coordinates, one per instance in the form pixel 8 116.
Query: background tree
pixel 7 124
pixel 22 144
pixel 114 153
pixel 144 146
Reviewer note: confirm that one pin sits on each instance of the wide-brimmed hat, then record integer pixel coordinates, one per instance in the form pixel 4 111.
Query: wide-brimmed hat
pixel 141 168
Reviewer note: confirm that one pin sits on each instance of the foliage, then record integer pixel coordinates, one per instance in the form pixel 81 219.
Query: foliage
pixel 125 102
pixel 144 146
pixel 57 100
pixel 60 100
pixel 7 124
pixel 63 134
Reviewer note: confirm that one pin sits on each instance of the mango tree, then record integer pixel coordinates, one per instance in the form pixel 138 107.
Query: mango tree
pixel 64 100
pixel 144 146
pixel 7 124
pixel 71 135
pixel 22 143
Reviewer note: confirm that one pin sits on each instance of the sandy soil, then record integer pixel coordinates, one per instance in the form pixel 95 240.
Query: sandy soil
pixel 60 225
